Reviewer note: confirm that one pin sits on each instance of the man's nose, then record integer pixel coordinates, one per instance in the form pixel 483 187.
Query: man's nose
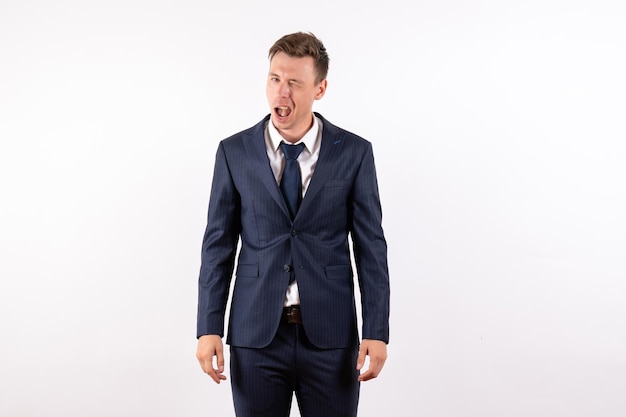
pixel 284 90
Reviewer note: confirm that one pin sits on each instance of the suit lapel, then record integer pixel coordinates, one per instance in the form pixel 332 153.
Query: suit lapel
pixel 255 147
pixel 332 143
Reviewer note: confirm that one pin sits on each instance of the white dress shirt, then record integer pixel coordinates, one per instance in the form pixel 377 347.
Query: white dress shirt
pixel 307 161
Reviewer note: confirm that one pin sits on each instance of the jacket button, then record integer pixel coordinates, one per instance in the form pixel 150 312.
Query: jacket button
pixel 287 268
pixel 294 233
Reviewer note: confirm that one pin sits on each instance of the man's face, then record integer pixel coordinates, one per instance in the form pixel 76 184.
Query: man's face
pixel 291 91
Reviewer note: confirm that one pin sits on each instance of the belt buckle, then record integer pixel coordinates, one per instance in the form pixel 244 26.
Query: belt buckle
pixel 293 315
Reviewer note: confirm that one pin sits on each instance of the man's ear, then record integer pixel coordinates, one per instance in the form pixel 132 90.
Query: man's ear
pixel 321 89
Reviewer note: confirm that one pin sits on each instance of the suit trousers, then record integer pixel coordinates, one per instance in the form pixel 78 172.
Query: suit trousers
pixel 264 380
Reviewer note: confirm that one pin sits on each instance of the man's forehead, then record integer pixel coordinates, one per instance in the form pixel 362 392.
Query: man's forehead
pixel 287 65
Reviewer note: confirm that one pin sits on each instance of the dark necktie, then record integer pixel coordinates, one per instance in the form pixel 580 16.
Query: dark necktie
pixel 291 182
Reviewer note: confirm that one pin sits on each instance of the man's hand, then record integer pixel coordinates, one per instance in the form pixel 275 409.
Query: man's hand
pixel 208 346
pixel 377 351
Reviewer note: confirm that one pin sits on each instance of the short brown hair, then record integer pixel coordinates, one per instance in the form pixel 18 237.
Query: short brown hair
pixel 301 44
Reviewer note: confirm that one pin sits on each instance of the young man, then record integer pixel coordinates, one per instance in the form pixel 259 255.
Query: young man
pixel 293 188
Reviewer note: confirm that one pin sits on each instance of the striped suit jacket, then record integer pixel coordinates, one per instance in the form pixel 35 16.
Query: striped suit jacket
pixel 247 211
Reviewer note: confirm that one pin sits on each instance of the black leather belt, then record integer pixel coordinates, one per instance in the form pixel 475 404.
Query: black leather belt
pixel 292 315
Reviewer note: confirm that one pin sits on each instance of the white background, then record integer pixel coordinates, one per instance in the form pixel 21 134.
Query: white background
pixel 498 131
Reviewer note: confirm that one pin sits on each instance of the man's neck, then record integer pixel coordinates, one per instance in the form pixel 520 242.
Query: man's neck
pixel 293 138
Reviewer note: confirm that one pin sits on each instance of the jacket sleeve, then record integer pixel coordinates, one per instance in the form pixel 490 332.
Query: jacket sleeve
pixel 219 247
pixel 370 251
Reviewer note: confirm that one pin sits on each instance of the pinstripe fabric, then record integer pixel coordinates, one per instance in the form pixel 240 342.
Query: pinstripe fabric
pixel 324 380
pixel 246 204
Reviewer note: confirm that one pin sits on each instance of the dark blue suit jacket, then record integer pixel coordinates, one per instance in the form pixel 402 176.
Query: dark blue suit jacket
pixel 246 202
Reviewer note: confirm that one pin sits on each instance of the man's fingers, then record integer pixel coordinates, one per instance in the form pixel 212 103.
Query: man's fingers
pixel 377 352
pixel 216 375
pixel 211 346
pixel 372 372
pixel 219 354
pixel 213 374
pixel 360 361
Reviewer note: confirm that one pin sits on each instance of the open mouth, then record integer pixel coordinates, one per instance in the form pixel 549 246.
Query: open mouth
pixel 282 111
